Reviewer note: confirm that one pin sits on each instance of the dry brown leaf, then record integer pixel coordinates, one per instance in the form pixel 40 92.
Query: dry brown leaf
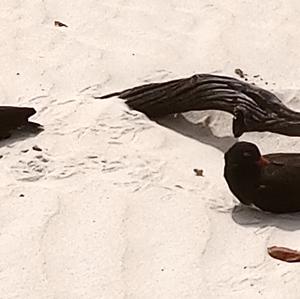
pixel 59 24
pixel 284 254
pixel 240 73
pixel 198 172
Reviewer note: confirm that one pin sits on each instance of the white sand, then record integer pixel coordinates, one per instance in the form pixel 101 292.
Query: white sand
pixel 111 206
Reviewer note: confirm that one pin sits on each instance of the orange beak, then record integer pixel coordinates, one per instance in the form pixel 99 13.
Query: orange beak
pixel 263 162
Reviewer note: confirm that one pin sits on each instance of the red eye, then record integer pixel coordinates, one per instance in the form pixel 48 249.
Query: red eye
pixel 263 161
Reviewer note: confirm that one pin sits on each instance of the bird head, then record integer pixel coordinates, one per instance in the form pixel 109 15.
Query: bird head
pixel 245 154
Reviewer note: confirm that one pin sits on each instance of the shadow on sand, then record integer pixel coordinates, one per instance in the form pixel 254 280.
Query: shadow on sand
pixel 250 216
pixel 200 131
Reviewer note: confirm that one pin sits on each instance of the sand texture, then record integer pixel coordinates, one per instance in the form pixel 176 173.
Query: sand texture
pixel 111 207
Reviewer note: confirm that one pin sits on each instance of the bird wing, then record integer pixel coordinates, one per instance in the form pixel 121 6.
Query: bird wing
pixel 284 169
pixel 279 189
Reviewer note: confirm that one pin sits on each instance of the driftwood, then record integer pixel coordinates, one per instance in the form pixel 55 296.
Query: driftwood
pixel 14 117
pixel 253 108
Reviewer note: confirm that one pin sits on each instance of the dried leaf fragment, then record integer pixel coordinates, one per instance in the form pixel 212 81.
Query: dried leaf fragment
pixel 198 172
pixel 59 24
pixel 284 254
pixel 240 73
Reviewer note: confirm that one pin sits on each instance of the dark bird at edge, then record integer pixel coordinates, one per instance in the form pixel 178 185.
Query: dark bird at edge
pixel 12 118
pixel 270 182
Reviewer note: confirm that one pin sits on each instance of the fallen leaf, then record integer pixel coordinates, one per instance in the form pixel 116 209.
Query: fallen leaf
pixel 59 24
pixel 198 172
pixel 239 72
pixel 284 254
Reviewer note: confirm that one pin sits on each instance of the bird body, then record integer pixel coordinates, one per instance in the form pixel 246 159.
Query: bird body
pixel 270 182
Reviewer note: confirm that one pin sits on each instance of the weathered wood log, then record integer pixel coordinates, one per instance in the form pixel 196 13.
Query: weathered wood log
pixel 253 108
pixel 12 118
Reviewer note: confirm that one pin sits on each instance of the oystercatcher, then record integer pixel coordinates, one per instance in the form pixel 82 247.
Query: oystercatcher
pixel 270 182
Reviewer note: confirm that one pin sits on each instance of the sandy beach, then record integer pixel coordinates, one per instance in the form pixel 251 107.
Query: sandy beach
pixel 111 207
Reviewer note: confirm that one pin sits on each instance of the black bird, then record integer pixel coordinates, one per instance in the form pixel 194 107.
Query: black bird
pixel 12 118
pixel 270 182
